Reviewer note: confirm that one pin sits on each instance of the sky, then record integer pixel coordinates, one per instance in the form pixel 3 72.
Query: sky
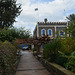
pixel 53 10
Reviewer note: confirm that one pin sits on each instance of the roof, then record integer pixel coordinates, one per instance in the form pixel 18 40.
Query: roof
pixel 52 23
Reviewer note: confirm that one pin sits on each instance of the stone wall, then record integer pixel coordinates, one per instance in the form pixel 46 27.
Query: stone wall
pixel 55 69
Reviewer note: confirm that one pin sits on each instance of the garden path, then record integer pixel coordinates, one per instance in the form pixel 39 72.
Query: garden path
pixel 29 65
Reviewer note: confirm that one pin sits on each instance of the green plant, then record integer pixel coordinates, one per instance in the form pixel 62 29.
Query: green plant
pixel 11 8
pixel 60 60
pixel 70 64
pixel 67 45
pixel 51 50
pixel 62 52
pixel 7 58
pixel 11 34
pixel 46 51
pixel 34 49
pixel 0 43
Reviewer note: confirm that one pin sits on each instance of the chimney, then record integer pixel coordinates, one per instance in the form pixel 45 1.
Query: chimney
pixel 45 20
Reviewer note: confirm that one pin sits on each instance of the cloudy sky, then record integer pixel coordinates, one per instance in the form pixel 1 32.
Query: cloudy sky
pixel 53 10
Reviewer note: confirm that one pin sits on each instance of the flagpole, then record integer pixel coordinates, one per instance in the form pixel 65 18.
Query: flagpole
pixel 38 15
pixel 36 9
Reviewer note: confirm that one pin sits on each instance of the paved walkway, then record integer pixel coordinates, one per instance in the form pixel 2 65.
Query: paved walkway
pixel 29 65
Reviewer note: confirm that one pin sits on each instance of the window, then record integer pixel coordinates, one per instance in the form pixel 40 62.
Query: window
pixel 61 33
pixel 50 32
pixel 43 32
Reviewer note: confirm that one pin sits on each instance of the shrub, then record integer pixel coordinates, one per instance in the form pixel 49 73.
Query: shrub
pixel 61 60
pixel 61 51
pixel 11 34
pixel 46 51
pixel 71 62
pixel 68 45
pixel 0 43
pixel 7 58
pixel 34 49
pixel 51 50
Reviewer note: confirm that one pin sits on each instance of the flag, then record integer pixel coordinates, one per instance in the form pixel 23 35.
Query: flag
pixel 36 9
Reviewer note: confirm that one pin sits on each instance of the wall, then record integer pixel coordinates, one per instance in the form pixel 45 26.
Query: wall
pixel 46 28
pixel 55 69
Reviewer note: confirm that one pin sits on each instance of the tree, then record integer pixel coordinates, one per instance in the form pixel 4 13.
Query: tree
pixel 14 33
pixel 9 10
pixel 71 17
pixel 71 26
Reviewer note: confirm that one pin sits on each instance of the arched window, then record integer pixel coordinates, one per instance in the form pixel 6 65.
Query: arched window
pixel 50 32
pixel 43 32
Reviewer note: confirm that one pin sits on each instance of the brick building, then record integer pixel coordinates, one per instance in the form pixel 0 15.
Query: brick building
pixel 50 28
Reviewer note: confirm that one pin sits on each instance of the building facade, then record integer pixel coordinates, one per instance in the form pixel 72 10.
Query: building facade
pixel 51 29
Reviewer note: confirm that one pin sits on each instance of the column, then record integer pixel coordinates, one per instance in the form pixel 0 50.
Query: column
pixel 55 31
pixel 37 31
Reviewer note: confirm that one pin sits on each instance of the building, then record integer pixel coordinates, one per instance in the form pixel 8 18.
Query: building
pixel 50 28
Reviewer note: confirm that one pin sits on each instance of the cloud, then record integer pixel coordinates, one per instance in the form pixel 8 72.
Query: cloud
pixel 53 10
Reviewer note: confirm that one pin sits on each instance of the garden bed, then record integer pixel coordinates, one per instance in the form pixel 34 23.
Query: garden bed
pixel 9 58
pixel 55 69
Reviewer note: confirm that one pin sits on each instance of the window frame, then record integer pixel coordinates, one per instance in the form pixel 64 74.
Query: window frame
pixel 42 33
pixel 51 32
pixel 63 33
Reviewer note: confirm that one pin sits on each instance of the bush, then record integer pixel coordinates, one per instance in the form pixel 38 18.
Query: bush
pixel 11 34
pixel 51 50
pixel 71 62
pixel 70 65
pixel 34 49
pixel 7 58
pixel 68 45
pixel 62 52
pixel 61 60
pixel 0 43
pixel 46 51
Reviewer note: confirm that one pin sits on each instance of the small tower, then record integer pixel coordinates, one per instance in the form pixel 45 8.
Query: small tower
pixel 45 20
